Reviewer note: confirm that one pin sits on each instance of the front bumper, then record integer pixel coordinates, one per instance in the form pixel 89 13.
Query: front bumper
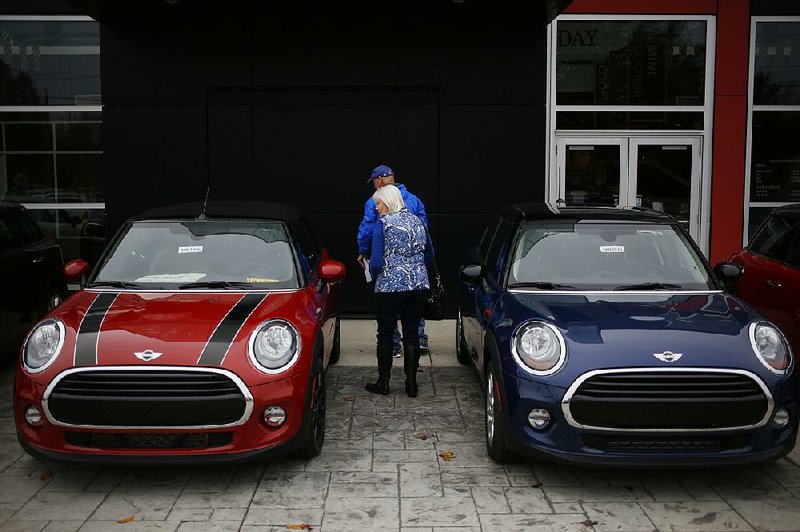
pixel 249 440
pixel 565 443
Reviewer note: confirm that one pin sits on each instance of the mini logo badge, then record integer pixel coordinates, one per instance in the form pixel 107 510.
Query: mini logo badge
pixel 668 356
pixel 147 355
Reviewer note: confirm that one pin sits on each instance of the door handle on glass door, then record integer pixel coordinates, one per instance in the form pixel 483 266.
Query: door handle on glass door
pixel 773 283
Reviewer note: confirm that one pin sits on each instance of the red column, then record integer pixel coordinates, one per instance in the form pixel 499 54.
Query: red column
pixel 730 128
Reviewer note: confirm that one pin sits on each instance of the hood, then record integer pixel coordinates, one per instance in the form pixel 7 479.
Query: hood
pixel 627 330
pixel 161 328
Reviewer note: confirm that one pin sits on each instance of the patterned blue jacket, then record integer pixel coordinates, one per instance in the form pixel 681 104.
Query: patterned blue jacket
pixel 400 249
pixel 412 203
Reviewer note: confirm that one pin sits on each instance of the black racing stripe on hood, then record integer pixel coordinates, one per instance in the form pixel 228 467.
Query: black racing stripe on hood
pixel 89 331
pixel 221 339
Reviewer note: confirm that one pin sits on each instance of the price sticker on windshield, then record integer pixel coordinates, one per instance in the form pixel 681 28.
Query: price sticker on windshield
pixel 612 249
pixel 190 249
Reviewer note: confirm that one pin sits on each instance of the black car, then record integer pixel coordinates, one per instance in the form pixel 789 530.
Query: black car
pixel 31 267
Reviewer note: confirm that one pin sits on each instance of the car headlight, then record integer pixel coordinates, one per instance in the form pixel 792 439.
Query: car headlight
pixel 538 348
pixel 770 347
pixel 274 346
pixel 43 345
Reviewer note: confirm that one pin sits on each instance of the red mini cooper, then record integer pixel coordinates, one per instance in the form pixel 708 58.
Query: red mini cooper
pixel 203 334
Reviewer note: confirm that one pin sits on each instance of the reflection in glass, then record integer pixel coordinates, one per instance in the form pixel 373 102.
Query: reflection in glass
pixel 28 137
pixel 777 64
pixel 79 178
pixel 79 232
pixel 628 120
pixel 49 63
pixel 664 179
pixel 604 62
pixel 754 220
pixel 592 174
pixel 29 178
pixel 775 167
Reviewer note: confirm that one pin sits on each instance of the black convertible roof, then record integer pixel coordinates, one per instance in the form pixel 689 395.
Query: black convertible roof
pixel 790 210
pixel 539 211
pixel 224 209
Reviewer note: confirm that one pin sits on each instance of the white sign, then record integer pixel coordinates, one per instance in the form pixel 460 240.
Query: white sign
pixel 190 249
pixel 612 249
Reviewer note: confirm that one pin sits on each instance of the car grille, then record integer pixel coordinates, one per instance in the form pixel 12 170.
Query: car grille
pixel 154 398
pixel 112 440
pixel 663 400
pixel 686 444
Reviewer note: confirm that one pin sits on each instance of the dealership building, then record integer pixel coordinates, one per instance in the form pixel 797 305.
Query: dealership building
pixel 684 106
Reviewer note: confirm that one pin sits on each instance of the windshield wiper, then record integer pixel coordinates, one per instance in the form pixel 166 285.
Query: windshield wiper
pixel 544 285
pixel 114 284
pixel 649 286
pixel 215 284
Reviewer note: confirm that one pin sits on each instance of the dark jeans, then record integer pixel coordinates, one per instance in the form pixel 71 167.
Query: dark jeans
pixel 407 306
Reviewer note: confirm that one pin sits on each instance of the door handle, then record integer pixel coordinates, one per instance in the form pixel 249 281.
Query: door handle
pixel 37 260
pixel 773 283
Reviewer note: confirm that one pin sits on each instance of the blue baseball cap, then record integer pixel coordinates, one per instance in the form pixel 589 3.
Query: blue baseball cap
pixel 380 171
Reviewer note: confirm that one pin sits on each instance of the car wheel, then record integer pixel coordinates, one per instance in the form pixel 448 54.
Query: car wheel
pixel 336 350
pixel 315 435
pixel 495 433
pixel 462 351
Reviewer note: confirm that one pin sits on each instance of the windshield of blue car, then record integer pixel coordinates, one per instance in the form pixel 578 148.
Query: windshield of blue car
pixel 605 256
pixel 200 254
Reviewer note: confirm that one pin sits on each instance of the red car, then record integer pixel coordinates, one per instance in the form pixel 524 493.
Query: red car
pixel 203 334
pixel 770 271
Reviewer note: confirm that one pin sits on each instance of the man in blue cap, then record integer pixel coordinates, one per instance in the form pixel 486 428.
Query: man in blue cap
pixel 381 176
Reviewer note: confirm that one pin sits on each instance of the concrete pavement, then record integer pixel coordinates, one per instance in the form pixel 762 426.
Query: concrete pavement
pixel 382 469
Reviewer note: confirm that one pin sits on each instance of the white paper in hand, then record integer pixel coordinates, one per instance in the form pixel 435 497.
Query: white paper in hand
pixel 367 274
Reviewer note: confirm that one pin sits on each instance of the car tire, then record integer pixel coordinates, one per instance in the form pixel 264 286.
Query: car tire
pixel 462 351
pixel 495 425
pixel 336 350
pixel 315 434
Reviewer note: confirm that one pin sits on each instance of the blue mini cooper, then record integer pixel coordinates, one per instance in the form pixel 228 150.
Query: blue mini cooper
pixel 603 337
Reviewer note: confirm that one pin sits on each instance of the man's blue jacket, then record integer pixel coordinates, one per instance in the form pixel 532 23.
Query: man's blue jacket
pixel 413 204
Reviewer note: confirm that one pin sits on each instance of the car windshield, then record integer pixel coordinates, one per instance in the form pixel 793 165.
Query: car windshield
pixel 605 256
pixel 200 254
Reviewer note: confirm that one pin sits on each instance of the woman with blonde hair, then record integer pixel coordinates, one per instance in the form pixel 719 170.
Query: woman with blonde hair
pixel 399 252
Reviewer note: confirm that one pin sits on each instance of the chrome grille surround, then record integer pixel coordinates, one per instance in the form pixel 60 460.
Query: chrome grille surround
pixel 565 402
pixel 248 397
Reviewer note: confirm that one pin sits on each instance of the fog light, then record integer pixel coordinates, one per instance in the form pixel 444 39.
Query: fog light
pixel 539 418
pixel 33 416
pixel 274 416
pixel 781 418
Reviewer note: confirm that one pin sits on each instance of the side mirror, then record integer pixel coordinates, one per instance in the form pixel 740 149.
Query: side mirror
pixel 331 271
pixel 75 271
pixel 94 230
pixel 472 273
pixel 727 272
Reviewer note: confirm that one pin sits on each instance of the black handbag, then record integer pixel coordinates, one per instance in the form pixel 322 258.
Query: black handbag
pixel 434 305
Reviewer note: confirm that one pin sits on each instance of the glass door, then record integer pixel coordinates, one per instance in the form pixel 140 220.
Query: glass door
pixel 591 171
pixel 664 175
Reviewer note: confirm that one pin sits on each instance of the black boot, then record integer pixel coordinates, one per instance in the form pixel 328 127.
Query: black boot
pixel 384 371
pixel 410 365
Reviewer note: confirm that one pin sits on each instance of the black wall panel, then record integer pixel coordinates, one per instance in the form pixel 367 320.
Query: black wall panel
pixel 288 103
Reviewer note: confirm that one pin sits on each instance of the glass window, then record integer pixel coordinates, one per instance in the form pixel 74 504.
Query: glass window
pixel 49 62
pixel 309 251
pixel 496 253
pixel 777 64
pixel 775 166
pixel 587 120
pixel 604 256
pixel 8 241
pixel 174 254
pixel 630 62
pixel 483 247
pixel 31 233
pixel 778 239
pixel 79 232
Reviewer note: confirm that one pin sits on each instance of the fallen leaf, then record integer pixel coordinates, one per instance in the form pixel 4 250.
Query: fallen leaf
pixel 299 527
pixel 46 475
pixel 447 455
pixel 349 398
pixel 538 484
pixel 126 519
pixel 588 523
pixel 423 437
